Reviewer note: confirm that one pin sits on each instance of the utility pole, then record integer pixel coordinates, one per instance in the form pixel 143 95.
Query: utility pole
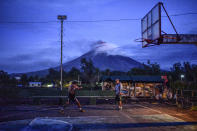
pixel 61 18
pixel 98 77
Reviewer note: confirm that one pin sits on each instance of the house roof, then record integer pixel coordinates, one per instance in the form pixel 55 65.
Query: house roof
pixel 133 78
pixel 113 78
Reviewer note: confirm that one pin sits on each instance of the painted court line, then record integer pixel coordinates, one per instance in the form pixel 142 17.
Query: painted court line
pixel 125 115
pixel 160 112
pixel 150 109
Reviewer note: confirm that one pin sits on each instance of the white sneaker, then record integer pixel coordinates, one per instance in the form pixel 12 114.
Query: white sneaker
pixel 120 107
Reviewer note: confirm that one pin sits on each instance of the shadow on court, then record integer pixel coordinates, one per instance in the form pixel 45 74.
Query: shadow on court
pixel 111 107
pixel 129 125
pixel 99 108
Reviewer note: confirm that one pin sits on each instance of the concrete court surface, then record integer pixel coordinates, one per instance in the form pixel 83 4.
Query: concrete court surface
pixel 136 116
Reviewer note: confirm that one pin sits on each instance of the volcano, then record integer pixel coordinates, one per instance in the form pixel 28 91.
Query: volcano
pixel 103 61
pixel 102 58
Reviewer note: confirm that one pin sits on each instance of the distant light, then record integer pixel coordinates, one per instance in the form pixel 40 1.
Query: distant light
pixel 182 76
pixel 18 78
pixel 50 85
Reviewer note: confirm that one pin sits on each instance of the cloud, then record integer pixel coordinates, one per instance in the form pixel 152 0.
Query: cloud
pixel 106 47
pixel 26 62
pixel 74 48
pixel 43 56
pixel 193 30
pixel 20 67
pixel 165 55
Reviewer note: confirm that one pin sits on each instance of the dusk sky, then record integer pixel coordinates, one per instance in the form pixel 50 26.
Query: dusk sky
pixel 30 31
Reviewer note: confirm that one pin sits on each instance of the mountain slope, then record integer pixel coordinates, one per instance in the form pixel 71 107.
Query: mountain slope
pixel 104 61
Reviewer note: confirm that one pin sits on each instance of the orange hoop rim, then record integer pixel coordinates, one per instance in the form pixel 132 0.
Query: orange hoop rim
pixel 144 40
pixel 167 37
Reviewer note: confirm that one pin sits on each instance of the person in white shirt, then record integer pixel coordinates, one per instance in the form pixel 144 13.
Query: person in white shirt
pixel 118 88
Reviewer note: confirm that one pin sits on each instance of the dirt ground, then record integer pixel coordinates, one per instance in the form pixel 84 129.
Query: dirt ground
pixel 134 116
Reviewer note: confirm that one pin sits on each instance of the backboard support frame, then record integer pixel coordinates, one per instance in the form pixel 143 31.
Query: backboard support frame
pixel 151 40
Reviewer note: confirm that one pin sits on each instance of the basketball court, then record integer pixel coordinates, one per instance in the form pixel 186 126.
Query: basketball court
pixel 134 116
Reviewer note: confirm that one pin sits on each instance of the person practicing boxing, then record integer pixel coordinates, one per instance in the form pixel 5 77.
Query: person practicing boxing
pixel 71 95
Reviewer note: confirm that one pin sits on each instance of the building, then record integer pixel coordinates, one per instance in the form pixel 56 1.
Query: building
pixel 35 84
pixel 18 78
pixel 139 86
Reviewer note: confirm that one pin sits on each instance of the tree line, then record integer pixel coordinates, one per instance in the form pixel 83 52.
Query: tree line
pixel 180 75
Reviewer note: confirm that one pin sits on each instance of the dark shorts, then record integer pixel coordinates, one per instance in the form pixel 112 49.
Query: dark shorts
pixel 72 97
pixel 118 98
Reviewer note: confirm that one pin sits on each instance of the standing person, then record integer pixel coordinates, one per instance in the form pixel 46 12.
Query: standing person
pixel 71 95
pixel 118 88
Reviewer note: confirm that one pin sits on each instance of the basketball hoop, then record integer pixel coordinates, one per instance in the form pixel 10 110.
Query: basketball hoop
pixel 168 37
pixel 144 40
pixel 147 42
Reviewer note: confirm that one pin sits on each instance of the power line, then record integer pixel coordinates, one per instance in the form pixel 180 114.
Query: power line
pixel 106 20
pixel 189 13
pixel 183 14
pixel 26 22
pixel 71 21
pixel 89 21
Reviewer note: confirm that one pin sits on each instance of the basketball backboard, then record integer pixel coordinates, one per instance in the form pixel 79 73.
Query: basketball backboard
pixel 151 25
pixel 152 34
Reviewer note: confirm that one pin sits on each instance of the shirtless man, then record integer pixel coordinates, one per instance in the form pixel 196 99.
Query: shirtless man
pixel 71 95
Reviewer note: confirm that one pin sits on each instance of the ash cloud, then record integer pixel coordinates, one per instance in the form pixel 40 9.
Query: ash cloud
pixel 107 47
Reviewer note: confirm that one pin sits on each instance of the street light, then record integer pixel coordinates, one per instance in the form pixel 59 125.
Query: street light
pixel 61 18
pixel 182 76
